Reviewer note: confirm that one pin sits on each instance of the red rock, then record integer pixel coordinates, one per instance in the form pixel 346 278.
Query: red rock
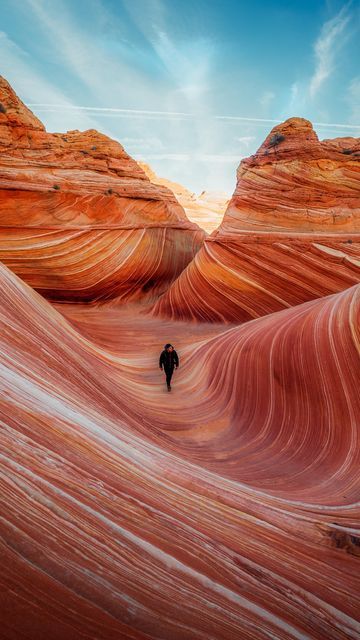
pixel 79 219
pixel 291 232
pixel 117 524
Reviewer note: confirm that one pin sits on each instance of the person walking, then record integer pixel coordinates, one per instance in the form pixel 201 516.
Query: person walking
pixel 168 361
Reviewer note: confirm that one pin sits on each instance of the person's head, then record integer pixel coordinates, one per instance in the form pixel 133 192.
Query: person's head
pixel 169 347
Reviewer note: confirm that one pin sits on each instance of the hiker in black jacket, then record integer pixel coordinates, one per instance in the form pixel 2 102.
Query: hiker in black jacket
pixel 168 360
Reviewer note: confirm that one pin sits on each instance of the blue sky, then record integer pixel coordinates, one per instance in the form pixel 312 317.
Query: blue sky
pixel 189 86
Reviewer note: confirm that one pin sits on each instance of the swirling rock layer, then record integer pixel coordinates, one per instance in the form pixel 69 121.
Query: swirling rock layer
pixel 227 509
pixel 291 232
pixel 79 219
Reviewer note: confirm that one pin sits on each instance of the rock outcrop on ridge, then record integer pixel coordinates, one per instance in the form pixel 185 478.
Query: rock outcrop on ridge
pixel 291 232
pixel 79 219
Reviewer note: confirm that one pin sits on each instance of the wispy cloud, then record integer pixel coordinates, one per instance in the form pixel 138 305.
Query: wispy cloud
pixel 193 157
pixel 266 99
pixel 353 99
pixel 17 67
pixel 160 79
pixel 142 145
pixel 107 109
pixel 245 140
pixel 218 158
pixel 84 57
pixel 177 157
pixel 277 121
pixel 147 113
pixel 332 38
pixel 187 61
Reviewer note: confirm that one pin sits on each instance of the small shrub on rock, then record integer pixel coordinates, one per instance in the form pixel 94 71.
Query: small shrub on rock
pixel 347 152
pixel 56 187
pixel 2 108
pixel 276 139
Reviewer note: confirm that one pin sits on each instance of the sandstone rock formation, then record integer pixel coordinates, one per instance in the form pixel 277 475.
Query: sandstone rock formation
pixel 117 524
pixel 228 509
pixel 291 232
pixel 79 219
pixel 206 209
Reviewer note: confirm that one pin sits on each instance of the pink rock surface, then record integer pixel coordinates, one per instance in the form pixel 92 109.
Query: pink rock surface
pixel 228 509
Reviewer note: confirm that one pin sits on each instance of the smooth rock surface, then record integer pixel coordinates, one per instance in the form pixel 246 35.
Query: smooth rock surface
pixel 227 509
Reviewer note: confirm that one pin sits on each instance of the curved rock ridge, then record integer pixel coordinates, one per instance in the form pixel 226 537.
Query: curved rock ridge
pixel 291 232
pixel 254 391
pixel 110 530
pixel 288 384
pixel 79 219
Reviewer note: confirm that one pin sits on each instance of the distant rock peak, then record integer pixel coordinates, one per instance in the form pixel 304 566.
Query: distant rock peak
pixel 13 112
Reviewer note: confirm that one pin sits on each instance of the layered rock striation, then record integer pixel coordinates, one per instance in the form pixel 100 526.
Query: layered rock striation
pixel 230 507
pixel 79 219
pixel 291 232
pixel 116 524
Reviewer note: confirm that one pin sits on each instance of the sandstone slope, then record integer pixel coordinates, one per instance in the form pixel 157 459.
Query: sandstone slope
pixel 291 232
pixel 79 219
pixel 116 526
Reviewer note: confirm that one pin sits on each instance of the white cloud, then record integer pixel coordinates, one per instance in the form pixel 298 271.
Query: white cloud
pixel 213 157
pixel 153 91
pixel 176 115
pixel 18 69
pixel 105 112
pixel 266 99
pixel 184 157
pixel 353 99
pixel 80 54
pixel 136 145
pixel 294 95
pixel 332 37
pixel 186 62
pixel 245 119
pixel 107 109
pixel 245 140
pixel 177 157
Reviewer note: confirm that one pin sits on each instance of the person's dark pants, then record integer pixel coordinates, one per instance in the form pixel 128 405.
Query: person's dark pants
pixel 168 373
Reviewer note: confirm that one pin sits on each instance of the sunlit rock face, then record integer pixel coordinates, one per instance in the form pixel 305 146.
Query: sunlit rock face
pixel 117 524
pixel 291 232
pixel 206 209
pixel 79 219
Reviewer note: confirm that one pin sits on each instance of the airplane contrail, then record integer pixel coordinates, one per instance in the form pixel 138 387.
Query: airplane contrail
pixel 147 112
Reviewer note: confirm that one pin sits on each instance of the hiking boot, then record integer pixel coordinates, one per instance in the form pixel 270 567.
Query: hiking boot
pixel 168 388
